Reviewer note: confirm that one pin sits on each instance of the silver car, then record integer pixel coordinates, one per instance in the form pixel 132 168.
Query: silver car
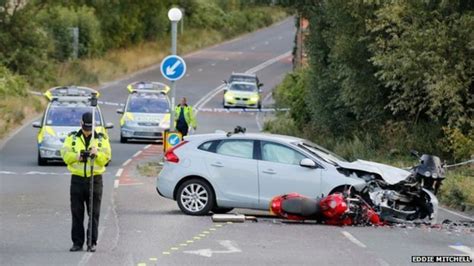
pixel 217 172
pixel 147 112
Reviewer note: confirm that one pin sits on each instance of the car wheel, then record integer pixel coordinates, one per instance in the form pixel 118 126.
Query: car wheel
pixel 123 140
pixel 220 210
pixel 41 161
pixel 195 197
pixel 259 105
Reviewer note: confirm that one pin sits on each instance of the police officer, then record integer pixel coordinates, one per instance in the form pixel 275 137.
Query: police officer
pixel 184 117
pixel 78 164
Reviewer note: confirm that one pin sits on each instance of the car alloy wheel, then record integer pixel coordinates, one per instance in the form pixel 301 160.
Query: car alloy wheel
pixel 195 197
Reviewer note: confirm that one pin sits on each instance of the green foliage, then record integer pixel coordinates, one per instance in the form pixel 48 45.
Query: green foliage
pixel 24 45
pixel 12 84
pixel 424 52
pixel 59 20
pixel 458 188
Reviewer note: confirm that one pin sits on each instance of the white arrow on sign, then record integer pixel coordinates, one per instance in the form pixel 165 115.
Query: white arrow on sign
pixel 229 245
pixel 170 70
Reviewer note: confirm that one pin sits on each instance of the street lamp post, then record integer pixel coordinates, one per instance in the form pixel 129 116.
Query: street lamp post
pixel 175 15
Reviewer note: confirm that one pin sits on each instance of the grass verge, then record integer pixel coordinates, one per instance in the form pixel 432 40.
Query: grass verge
pixel 149 169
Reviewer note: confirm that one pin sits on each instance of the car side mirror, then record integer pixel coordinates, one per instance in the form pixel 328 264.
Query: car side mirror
pixel 260 85
pixel 109 125
pixel 37 124
pixel 120 111
pixel 308 163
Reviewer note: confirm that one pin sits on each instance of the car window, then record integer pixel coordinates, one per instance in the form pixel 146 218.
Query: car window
pixel 236 148
pixel 278 153
pixel 206 146
pixel 69 116
pixel 243 87
pixel 148 104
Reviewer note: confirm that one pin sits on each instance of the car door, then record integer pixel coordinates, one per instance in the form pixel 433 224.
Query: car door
pixel 233 170
pixel 279 172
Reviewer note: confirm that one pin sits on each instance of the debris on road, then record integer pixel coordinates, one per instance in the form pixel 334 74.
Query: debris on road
pixel 235 218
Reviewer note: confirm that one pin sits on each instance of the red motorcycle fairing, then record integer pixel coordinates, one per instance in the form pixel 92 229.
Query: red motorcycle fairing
pixel 334 209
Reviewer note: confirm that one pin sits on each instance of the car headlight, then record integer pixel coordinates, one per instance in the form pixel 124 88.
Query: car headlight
pixel 165 124
pixel 50 139
pixel 229 97
pixel 254 98
pixel 130 123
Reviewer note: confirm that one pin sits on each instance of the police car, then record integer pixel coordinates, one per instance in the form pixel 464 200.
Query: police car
pixel 146 113
pixel 242 90
pixel 62 116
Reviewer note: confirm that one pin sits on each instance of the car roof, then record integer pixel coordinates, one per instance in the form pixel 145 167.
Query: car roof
pixel 257 136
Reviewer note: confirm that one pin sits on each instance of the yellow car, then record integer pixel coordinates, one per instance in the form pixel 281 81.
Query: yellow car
pixel 242 94
pixel 147 112
pixel 62 116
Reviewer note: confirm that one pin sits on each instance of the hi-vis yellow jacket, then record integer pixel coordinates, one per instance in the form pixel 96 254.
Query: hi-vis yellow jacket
pixel 75 143
pixel 188 115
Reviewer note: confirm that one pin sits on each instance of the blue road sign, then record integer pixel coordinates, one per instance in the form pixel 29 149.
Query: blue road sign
pixel 173 67
pixel 173 139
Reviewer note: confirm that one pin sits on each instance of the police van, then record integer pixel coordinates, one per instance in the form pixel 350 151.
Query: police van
pixel 62 116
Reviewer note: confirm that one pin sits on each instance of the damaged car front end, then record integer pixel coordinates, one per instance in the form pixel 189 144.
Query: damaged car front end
pixel 395 194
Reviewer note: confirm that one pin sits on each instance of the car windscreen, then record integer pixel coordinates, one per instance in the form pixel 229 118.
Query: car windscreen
pixel 69 116
pixel 242 78
pixel 321 152
pixel 148 104
pixel 243 87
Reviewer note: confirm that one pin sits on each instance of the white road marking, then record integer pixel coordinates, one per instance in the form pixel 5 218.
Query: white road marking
pixel 137 153
pixel 267 43
pixel 7 173
pixel 119 172
pixel 204 100
pixel 213 64
pixel 147 146
pixel 457 214
pixel 230 246
pixel 199 69
pixel 116 183
pixel 131 184
pixel 467 250
pixel 226 59
pixel 126 162
pixel 353 239
pixel 252 48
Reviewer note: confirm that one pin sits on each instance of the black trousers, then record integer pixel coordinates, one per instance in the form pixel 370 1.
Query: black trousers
pixel 183 129
pixel 79 193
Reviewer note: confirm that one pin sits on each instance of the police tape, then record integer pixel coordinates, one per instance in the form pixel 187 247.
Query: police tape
pixel 460 164
pixel 242 110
